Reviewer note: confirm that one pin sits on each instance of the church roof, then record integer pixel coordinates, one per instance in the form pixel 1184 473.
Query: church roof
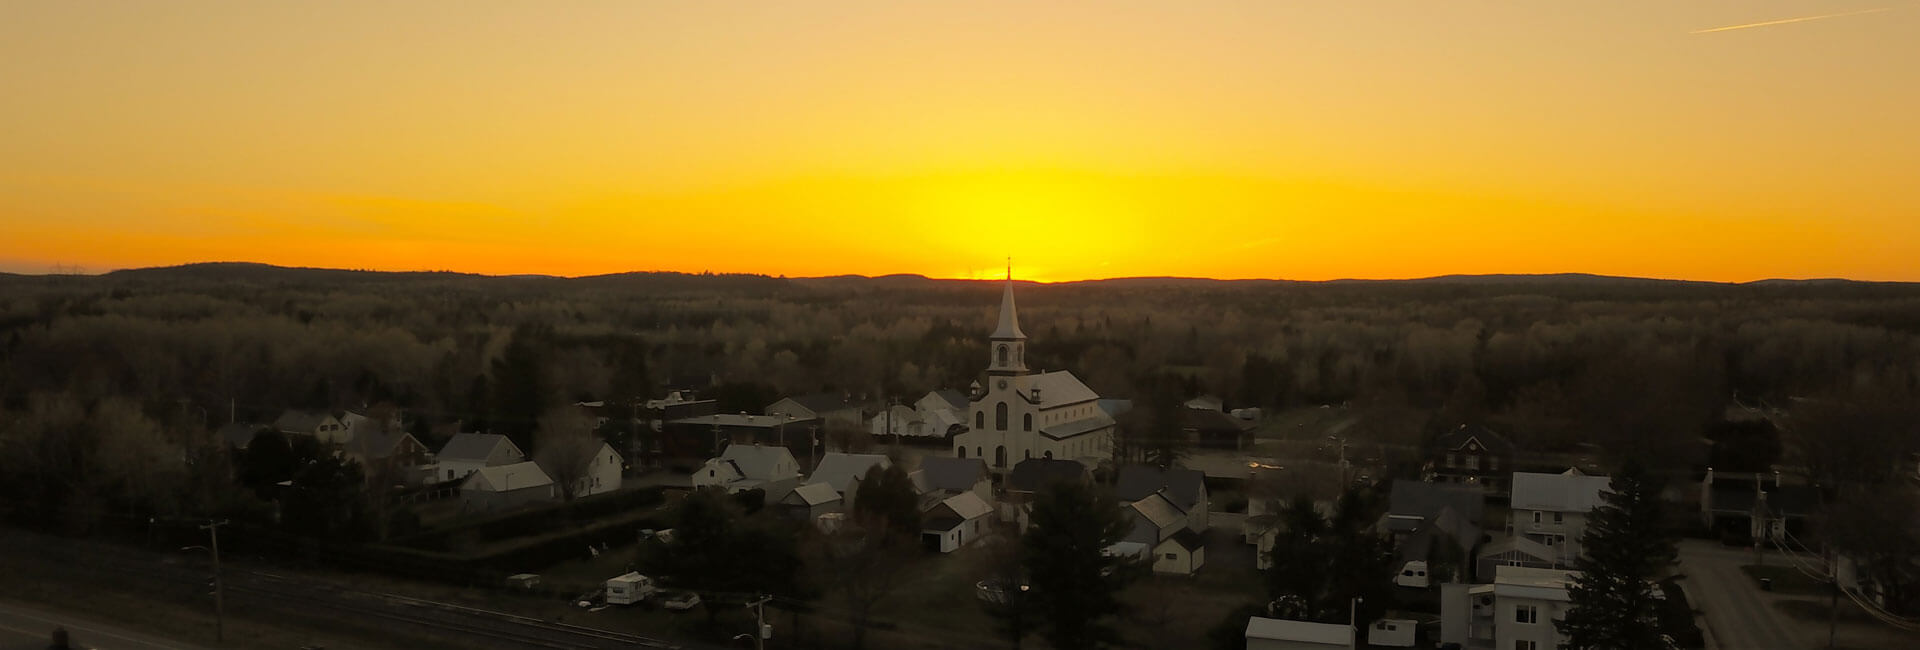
pixel 1009 320
pixel 1056 388
pixel 1089 424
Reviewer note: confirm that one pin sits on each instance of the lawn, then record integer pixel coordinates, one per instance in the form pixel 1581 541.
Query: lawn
pixel 1786 580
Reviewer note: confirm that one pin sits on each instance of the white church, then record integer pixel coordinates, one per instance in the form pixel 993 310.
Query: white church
pixel 1019 414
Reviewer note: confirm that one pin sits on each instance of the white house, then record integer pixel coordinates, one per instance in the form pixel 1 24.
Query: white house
pixel 506 486
pixel 1019 414
pixel 832 409
pixel 1186 489
pixel 467 453
pixel 1551 509
pixel 1182 554
pixel 808 502
pixel 745 467
pixel 1280 634
pixel 1516 612
pixel 603 473
pixel 955 522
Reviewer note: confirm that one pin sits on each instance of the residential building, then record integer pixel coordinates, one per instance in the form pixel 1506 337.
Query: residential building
pixel 1471 455
pixel 319 425
pixel 1281 634
pixel 704 436
pixel 1019 414
pixel 950 476
pixel 1762 507
pixel 843 472
pixel 746 467
pixel 1518 551
pixel 1159 524
pixel 955 522
pixel 604 473
pixel 502 487
pixel 467 453
pixel 1437 523
pixel 1185 488
pixel 380 449
pixel 1526 602
pixel 809 501
pixel 1552 509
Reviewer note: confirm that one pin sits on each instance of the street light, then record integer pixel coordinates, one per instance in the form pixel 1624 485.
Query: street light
pixel 1353 629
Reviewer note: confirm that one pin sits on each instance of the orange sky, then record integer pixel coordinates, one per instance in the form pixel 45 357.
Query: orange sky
pixel 1306 140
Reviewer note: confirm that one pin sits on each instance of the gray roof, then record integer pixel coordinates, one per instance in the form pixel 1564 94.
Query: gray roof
pixel 1275 629
pixel 1160 512
pixel 757 461
pixel 1426 500
pixel 505 478
pixel 1184 487
pixel 839 470
pixel 1056 388
pixel 1099 420
pixel 1459 437
pixel 1569 492
pixel 1034 473
pixel 1115 407
pixel 953 398
pixel 820 403
pixel 1009 327
pixel 475 447
pixel 948 473
pixel 1520 546
pixel 297 421
pixel 1189 540
pixel 812 494
pixel 376 443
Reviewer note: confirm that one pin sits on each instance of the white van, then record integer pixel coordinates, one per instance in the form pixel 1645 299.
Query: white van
pixel 629 589
pixel 1414 574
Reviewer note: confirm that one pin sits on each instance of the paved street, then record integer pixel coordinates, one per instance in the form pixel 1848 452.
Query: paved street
pixel 1738 614
pixel 24 627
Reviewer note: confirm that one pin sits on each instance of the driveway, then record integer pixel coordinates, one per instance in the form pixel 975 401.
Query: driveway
pixel 1738 614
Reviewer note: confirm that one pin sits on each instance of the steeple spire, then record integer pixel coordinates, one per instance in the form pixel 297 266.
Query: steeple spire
pixel 1009 317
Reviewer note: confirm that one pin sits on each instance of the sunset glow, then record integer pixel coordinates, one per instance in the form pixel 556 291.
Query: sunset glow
pixel 1218 139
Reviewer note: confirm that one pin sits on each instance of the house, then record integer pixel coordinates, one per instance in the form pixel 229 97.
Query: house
pixel 1206 403
pixel 1020 414
pixel 1471 455
pixel 950 476
pixel 808 502
pixel 500 487
pixel 603 473
pixel 746 467
pixel 1031 476
pixel 1438 523
pixel 1159 524
pixel 842 471
pixel 1182 554
pixel 1763 508
pixel 382 416
pixel 830 409
pixel 1280 634
pixel 1185 488
pixel 1552 509
pixel 391 449
pixel 1517 551
pixel 467 453
pixel 1216 430
pixel 703 436
pixel 955 522
pixel 1516 611
pixel 943 407
pixel 317 424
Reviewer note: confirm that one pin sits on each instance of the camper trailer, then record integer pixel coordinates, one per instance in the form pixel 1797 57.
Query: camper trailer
pixel 629 589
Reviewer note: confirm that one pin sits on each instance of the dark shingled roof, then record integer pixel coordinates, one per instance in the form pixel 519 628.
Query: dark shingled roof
pixel 1189 540
pixel 946 473
pixel 1183 486
pixel 1458 438
pixel 1427 500
pixel 1034 473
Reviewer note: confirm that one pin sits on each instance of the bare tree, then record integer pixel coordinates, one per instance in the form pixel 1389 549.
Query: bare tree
pixel 564 447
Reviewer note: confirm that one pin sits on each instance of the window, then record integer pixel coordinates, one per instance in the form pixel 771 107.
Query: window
pixel 711 474
pixel 449 475
pixel 1003 355
pixel 1029 453
pixel 1000 416
pixel 1000 456
pixel 1171 556
pixel 980 452
pixel 1523 644
pixel 1026 422
pixel 1556 518
pixel 962 451
pixel 1526 614
pixel 979 419
pixel 1453 460
pixel 1536 516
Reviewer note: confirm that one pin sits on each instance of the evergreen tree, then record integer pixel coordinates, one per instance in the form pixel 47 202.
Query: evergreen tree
pixel 888 502
pixel 1074 585
pixel 1319 566
pixel 519 386
pixel 1626 547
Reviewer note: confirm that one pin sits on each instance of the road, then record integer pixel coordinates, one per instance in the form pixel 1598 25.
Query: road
pixel 23 627
pixel 1739 614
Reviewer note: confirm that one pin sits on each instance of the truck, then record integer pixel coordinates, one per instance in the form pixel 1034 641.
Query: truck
pixel 629 588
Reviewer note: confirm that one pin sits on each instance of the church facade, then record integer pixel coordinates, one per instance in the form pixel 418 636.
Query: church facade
pixel 1018 414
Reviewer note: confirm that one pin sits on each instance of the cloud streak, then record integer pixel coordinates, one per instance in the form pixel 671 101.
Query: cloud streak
pixel 1785 21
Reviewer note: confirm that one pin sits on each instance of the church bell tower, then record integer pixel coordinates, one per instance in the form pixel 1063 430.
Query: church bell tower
pixel 1009 344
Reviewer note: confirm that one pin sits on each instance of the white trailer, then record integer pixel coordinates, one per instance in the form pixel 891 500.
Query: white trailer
pixel 629 589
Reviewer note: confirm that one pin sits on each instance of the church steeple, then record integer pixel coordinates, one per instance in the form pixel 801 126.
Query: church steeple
pixel 1009 348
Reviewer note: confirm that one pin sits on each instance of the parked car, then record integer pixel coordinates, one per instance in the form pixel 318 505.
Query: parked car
pixel 679 600
pixel 1413 574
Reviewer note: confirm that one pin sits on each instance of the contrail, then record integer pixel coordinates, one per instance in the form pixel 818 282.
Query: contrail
pixel 1784 21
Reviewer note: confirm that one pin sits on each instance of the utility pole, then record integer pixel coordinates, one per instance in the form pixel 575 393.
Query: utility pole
pixel 1833 598
pixel 219 608
pixel 813 446
pixel 1353 628
pixel 760 629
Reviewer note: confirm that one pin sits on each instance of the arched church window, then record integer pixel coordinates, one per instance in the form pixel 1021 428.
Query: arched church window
pixel 1000 417
pixel 1028 454
pixel 1026 422
pixel 979 419
pixel 1003 355
pixel 1000 456
pixel 1047 454
pixel 962 451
